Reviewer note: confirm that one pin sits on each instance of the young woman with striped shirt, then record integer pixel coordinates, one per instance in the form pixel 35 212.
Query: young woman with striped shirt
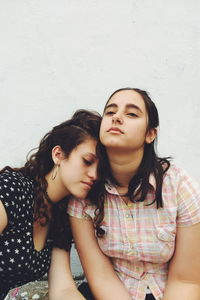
pixel 138 236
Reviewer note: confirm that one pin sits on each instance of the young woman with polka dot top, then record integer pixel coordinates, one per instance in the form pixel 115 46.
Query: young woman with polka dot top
pixel 35 235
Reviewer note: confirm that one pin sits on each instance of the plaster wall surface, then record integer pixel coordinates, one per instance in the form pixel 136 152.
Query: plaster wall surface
pixel 58 56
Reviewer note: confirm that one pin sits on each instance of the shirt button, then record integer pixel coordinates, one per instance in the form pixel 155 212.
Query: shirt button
pixel 134 251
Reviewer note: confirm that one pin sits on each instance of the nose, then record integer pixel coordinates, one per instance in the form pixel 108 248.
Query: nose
pixel 117 119
pixel 92 172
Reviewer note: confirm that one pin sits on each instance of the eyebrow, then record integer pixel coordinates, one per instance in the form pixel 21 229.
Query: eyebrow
pixel 91 154
pixel 129 105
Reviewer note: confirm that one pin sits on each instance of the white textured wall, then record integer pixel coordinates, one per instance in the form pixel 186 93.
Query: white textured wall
pixel 57 56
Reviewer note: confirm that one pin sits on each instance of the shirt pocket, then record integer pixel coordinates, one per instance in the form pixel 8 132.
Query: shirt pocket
pixel 166 235
pixel 158 244
pixel 111 243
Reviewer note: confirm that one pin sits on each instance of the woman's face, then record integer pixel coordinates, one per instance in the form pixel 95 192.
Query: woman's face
pixel 125 122
pixel 78 172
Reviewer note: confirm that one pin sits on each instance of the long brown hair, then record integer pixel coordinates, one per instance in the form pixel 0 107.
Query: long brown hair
pixel 68 135
pixel 139 184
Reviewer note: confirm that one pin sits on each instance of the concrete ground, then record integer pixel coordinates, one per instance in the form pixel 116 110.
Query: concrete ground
pixel 35 290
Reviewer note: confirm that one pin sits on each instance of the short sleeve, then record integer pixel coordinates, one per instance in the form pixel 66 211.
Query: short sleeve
pixel 188 195
pixel 8 191
pixel 79 209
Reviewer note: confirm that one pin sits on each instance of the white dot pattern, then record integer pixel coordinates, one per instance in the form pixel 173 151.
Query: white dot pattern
pixel 19 261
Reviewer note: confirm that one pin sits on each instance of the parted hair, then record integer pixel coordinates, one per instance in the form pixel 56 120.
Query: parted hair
pixel 139 184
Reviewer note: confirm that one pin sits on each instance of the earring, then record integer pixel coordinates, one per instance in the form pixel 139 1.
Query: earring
pixel 54 172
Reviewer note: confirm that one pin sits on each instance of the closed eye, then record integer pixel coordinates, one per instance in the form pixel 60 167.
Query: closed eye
pixel 109 112
pixel 132 115
pixel 87 162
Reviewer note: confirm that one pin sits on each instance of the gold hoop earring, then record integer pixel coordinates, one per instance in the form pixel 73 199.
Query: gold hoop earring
pixel 54 172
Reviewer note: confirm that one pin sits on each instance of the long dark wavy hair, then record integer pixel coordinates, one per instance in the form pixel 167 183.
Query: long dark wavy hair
pixel 68 135
pixel 139 184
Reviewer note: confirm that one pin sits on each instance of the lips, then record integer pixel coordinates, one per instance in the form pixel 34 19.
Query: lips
pixel 115 129
pixel 87 184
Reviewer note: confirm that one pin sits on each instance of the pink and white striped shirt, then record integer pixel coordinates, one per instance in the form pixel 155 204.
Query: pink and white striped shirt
pixel 140 239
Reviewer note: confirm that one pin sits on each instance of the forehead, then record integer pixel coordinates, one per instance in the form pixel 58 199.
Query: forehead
pixel 87 147
pixel 123 98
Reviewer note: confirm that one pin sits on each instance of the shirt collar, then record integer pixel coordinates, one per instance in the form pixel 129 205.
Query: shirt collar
pixel 110 188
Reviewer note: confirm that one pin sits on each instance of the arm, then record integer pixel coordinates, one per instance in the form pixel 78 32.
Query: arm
pixel 61 283
pixel 103 281
pixel 184 270
pixel 3 218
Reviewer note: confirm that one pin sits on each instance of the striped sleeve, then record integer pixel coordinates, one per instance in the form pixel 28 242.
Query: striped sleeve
pixel 188 195
pixel 77 208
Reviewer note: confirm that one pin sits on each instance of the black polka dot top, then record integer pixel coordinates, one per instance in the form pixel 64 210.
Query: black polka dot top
pixel 19 261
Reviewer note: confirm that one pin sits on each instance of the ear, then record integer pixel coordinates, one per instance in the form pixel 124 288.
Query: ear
pixel 151 135
pixel 57 155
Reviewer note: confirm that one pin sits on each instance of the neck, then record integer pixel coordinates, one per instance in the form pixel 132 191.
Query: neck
pixel 124 165
pixel 55 189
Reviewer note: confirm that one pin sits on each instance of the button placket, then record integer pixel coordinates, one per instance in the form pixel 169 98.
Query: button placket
pixel 130 229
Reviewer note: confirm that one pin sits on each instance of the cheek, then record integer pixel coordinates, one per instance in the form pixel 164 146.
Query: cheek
pixel 101 133
pixel 141 128
pixel 70 170
pixel 102 128
pixel 101 136
pixel 71 178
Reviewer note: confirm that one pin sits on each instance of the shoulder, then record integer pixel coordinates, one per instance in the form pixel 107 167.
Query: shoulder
pixel 15 178
pixel 9 181
pixel 14 186
pixel 176 175
pixel 14 183
pixel 186 192
pixel 174 170
pixel 81 208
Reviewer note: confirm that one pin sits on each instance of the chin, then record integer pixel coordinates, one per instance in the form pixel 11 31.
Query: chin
pixel 81 195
